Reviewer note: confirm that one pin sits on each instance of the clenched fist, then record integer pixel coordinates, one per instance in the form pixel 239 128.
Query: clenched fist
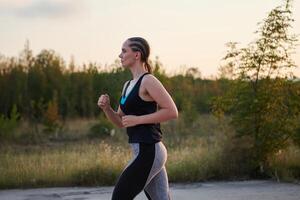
pixel 130 120
pixel 104 102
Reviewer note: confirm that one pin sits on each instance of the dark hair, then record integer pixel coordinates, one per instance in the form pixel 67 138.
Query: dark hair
pixel 141 45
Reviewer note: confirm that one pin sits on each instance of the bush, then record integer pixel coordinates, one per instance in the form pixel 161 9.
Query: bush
pixel 9 124
pixel 102 129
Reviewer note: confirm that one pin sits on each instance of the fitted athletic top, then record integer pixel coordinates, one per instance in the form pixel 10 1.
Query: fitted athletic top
pixel 132 104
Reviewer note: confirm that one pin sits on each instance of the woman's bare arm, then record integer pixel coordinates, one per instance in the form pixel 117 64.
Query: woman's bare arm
pixel 113 116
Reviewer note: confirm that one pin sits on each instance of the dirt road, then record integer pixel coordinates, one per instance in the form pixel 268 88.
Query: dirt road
pixel 239 190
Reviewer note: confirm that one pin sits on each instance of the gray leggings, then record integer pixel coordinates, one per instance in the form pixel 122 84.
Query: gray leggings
pixel 146 171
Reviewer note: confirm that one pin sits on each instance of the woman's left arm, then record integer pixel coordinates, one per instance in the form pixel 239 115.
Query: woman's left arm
pixel 160 95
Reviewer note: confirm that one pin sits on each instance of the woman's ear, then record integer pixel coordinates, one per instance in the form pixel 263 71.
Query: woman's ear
pixel 137 55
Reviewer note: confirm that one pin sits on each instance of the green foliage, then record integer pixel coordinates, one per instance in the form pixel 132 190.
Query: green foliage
pixel 263 100
pixel 31 82
pixel 9 124
pixel 102 129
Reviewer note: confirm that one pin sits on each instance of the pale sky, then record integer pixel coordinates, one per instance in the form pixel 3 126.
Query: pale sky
pixel 182 33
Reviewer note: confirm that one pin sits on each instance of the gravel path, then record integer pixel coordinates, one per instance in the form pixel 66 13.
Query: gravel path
pixel 237 190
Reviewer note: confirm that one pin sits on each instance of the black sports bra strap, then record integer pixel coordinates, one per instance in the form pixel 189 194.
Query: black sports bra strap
pixel 140 79
pixel 138 82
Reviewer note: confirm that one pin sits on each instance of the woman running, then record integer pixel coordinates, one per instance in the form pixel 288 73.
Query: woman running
pixel 138 112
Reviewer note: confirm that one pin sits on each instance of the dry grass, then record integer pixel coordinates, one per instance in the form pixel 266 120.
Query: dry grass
pixel 201 151
pixel 285 165
pixel 96 164
pixel 72 165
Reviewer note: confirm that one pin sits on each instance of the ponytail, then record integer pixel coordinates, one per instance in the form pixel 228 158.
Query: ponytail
pixel 148 67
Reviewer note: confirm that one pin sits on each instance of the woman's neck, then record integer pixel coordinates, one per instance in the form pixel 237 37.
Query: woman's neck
pixel 137 71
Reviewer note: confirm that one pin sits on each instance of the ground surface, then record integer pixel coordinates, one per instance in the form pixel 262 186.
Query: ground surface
pixel 238 190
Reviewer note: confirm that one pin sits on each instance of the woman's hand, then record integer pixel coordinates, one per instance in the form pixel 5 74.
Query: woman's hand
pixel 130 120
pixel 104 102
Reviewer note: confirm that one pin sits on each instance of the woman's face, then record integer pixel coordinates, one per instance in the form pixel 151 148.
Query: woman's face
pixel 128 57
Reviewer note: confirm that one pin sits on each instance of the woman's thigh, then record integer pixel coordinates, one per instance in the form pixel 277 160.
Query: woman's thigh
pixel 133 179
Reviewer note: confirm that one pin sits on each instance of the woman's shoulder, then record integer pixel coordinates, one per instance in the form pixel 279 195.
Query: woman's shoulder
pixel 150 80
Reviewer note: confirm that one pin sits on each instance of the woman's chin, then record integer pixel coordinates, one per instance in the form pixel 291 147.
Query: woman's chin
pixel 124 65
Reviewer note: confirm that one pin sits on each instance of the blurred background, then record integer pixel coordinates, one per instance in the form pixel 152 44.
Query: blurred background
pixel 231 68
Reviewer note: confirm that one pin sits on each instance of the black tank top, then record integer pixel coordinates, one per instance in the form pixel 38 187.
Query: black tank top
pixel 132 104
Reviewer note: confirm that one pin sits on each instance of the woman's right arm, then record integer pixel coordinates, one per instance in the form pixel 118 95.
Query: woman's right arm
pixel 113 116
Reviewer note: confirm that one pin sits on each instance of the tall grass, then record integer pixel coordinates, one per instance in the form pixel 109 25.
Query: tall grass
pixel 97 164
pixel 285 165
pixel 196 161
pixel 83 164
pixel 203 150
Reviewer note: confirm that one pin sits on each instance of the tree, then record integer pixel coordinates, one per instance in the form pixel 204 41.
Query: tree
pixel 263 97
pixel 51 118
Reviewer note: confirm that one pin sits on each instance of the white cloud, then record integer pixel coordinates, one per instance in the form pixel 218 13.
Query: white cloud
pixel 41 8
pixel 15 3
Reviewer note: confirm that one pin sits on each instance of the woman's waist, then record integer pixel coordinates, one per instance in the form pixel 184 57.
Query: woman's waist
pixel 144 128
pixel 140 148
